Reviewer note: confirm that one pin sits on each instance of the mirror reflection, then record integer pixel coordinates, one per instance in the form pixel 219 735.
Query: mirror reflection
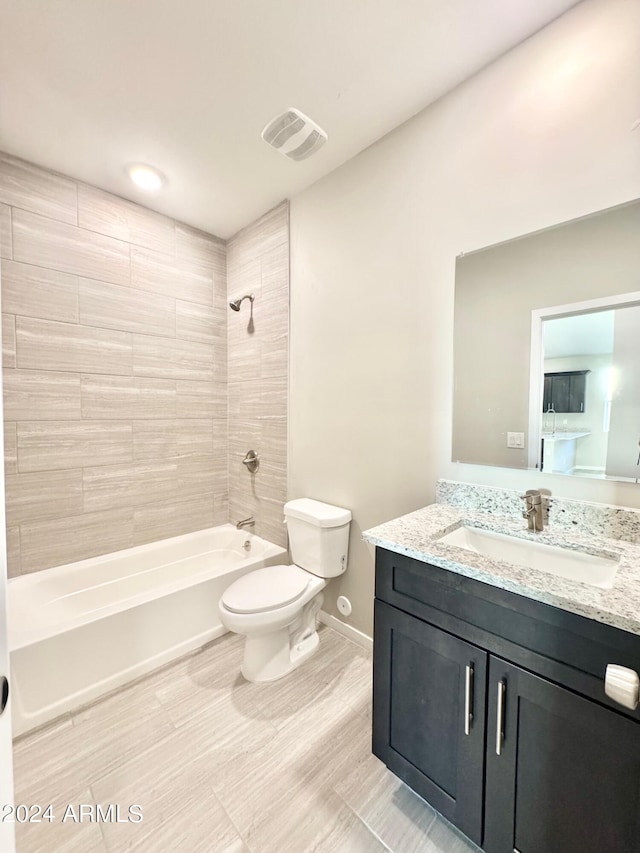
pixel 561 302
pixel 590 425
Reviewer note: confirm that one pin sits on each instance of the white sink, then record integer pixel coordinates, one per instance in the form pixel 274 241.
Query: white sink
pixel 574 565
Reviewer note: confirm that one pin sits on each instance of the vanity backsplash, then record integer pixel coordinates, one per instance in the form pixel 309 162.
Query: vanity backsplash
pixel 613 522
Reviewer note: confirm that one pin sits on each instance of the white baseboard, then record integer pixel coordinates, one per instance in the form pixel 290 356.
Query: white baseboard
pixel 347 631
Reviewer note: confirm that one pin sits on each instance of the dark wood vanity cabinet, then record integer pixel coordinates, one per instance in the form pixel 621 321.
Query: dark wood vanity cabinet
pixel 427 683
pixel 522 751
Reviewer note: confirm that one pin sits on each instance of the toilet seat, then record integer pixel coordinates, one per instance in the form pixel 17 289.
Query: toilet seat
pixel 266 589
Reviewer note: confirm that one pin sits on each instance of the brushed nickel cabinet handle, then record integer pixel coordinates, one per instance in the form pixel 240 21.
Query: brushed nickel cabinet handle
pixel 468 698
pixel 502 692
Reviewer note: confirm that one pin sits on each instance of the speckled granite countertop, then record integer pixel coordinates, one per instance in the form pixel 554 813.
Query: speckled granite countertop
pixel 591 528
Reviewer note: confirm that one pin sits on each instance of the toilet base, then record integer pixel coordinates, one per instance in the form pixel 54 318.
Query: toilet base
pixel 272 659
pixel 273 655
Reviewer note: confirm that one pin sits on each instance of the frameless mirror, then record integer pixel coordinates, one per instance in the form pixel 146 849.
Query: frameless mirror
pixel 546 365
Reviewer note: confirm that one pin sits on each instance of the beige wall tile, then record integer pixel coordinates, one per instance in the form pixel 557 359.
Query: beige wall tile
pixel 112 486
pixel 46 344
pixel 50 494
pixel 274 440
pixel 199 322
pixel 201 399
pixel 65 540
pixel 259 238
pixel 10 449
pixel 267 437
pixel 244 359
pixel 92 429
pixel 220 302
pixel 27 186
pixel 168 358
pixel 266 398
pixel 171 439
pixel 8 340
pixel 220 439
pixel 267 513
pixel 13 552
pixel 197 247
pixel 200 478
pixel 31 395
pixel 110 306
pixel 221 508
pixel 158 273
pixel 5 231
pixel 108 214
pixel 274 357
pixel 162 520
pixel 275 271
pixel 52 445
pixel 125 397
pixel 37 292
pixel 57 246
pixel 242 280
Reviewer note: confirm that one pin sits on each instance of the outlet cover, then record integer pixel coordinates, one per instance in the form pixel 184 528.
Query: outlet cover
pixel 515 440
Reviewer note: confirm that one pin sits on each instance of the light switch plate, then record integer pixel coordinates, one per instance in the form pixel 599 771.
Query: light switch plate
pixel 516 440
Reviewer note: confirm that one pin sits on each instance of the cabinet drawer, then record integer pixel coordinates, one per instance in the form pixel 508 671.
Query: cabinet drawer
pixel 558 645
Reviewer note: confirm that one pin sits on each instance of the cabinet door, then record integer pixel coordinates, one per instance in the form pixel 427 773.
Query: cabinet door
pixel 577 389
pixel 429 714
pixel 567 779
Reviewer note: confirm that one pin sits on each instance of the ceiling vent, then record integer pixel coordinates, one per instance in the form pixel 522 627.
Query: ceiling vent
pixel 294 135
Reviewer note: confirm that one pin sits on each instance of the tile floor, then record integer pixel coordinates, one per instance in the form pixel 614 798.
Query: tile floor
pixel 219 765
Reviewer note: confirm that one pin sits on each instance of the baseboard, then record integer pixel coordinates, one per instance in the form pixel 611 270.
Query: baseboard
pixel 347 631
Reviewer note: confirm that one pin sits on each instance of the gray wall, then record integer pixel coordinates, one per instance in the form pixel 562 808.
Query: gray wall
pixel 539 137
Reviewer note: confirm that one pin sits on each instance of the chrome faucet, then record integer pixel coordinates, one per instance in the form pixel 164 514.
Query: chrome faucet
pixel 533 512
pixel 246 522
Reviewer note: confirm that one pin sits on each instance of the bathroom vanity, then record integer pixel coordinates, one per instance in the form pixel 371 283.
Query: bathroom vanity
pixel 489 694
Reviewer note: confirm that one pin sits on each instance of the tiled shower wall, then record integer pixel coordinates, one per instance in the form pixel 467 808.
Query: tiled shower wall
pixel 258 263
pixel 114 333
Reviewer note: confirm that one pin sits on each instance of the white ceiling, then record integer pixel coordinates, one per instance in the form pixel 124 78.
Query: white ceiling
pixel 87 86
pixel 583 334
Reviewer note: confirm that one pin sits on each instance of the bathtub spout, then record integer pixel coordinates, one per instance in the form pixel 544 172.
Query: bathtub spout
pixel 246 522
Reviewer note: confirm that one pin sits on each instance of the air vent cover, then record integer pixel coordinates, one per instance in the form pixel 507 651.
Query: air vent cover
pixel 294 134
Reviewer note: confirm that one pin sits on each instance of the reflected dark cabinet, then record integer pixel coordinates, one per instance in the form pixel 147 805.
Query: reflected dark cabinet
pixel 491 707
pixel 565 392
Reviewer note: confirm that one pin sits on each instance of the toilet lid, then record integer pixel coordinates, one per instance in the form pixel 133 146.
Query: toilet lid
pixel 266 589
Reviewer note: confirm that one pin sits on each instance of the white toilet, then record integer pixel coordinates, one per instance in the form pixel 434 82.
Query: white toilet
pixel 276 608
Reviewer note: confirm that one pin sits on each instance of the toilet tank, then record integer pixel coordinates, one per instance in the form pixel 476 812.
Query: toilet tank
pixel 318 536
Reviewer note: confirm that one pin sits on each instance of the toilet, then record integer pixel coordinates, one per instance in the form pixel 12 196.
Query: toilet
pixel 276 608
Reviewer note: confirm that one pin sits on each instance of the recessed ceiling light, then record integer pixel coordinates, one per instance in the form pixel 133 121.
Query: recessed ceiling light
pixel 146 177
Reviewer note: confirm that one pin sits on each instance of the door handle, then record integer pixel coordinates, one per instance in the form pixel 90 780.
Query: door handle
pixel 502 694
pixel 622 685
pixel 4 694
pixel 468 698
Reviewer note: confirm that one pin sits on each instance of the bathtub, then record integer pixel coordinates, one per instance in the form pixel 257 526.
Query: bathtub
pixel 78 631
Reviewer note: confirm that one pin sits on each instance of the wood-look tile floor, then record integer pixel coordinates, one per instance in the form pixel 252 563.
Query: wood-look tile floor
pixel 220 765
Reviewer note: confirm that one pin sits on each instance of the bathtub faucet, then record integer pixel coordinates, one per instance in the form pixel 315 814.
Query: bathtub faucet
pixel 246 522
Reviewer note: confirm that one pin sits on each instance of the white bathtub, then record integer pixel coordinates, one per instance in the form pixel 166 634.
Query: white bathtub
pixel 81 630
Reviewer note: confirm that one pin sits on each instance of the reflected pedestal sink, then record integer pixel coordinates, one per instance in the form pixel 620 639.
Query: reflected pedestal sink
pixel 599 571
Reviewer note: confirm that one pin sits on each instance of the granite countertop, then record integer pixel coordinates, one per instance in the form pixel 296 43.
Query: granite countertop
pixel 416 535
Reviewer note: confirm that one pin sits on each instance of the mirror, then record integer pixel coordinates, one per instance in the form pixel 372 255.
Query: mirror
pixel 525 308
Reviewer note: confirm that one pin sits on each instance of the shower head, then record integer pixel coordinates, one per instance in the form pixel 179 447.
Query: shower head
pixel 235 305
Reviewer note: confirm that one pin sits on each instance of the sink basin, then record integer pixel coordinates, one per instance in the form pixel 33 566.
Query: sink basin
pixel 573 565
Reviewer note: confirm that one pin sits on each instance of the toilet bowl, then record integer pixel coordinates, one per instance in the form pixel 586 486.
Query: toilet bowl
pixel 276 608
